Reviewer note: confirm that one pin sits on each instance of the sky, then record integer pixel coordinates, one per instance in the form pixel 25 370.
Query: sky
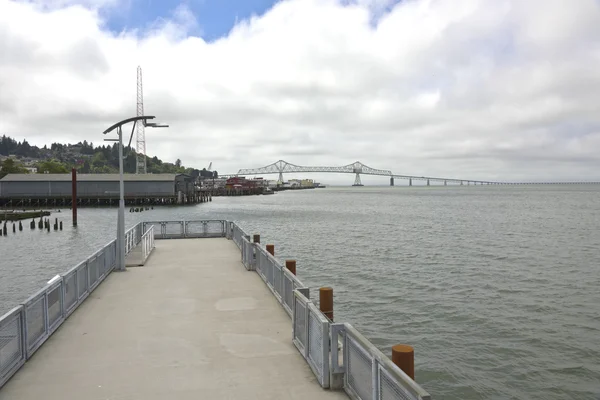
pixel 473 89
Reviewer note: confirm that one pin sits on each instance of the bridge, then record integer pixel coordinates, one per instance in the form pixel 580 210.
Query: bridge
pixel 357 168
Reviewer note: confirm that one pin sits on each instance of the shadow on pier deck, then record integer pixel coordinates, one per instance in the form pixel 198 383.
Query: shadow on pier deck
pixel 192 323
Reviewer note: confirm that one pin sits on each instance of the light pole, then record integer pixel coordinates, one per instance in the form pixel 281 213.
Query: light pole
pixel 121 215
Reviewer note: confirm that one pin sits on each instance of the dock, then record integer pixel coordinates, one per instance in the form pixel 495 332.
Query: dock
pixel 211 316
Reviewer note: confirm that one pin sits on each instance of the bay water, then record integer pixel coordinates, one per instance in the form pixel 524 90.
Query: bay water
pixel 497 288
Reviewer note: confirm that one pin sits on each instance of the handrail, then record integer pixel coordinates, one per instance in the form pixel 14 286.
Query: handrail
pixel 394 379
pixel 147 242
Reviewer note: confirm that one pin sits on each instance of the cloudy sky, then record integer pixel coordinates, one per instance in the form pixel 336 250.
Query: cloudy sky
pixel 476 89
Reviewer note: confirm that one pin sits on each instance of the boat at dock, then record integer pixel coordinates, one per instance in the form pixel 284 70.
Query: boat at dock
pixel 233 323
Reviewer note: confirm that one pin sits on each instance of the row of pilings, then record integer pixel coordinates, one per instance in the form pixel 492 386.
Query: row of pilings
pixel 42 224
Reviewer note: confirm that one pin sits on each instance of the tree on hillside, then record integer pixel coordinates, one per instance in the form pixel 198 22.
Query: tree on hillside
pixel 52 167
pixel 10 166
pixel 178 163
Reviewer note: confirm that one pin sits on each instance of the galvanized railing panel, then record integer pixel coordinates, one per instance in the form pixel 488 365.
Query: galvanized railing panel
pixel 310 333
pixel 54 297
pixel 70 291
pixel 247 251
pixel 367 373
pixel 82 281
pixel 12 343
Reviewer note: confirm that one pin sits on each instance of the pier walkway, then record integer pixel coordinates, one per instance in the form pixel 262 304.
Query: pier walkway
pixel 192 323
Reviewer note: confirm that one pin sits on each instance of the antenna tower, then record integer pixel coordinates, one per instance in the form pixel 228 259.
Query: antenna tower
pixel 140 165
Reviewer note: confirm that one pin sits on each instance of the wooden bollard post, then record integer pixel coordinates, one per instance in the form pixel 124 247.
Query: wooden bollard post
pixel 20 226
pixel 271 249
pixel 326 301
pixel 14 228
pixel 256 239
pixel 403 356
pixel 32 224
pixel 61 225
pixel 291 266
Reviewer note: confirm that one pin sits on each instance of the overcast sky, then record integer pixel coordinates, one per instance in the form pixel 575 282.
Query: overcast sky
pixel 475 89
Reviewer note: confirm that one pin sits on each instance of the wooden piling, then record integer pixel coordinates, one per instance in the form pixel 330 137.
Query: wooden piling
pixel 14 228
pixel 271 249
pixel 61 225
pixel 326 301
pixel 403 356
pixel 291 266
pixel 20 226
pixel 256 239
pixel 74 194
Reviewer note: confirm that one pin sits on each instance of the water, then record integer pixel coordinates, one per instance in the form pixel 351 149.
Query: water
pixel 497 288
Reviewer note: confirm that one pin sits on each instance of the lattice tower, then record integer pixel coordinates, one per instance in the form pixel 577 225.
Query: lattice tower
pixel 140 148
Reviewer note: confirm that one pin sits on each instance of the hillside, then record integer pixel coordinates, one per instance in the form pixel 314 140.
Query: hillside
pixel 21 157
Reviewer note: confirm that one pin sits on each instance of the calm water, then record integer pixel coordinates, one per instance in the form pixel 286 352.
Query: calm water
pixel 498 289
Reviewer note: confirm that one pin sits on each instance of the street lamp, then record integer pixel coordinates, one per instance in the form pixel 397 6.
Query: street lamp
pixel 121 214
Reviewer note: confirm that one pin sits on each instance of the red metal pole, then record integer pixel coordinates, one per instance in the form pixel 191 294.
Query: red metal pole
pixel 74 190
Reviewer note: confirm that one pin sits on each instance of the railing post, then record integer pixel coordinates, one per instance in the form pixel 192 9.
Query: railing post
pixel 326 302
pixel 291 266
pixel 404 357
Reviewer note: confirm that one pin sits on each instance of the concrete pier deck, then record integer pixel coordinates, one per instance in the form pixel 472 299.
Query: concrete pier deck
pixel 191 324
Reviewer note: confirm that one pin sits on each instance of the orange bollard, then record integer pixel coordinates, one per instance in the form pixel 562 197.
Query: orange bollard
pixel 403 356
pixel 291 265
pixel 326 301
pixel 271 249
pixel 256 239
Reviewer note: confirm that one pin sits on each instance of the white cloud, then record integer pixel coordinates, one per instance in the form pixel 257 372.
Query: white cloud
pixel 489 89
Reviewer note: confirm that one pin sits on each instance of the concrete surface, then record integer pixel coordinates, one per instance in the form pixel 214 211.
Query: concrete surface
pixel 191 324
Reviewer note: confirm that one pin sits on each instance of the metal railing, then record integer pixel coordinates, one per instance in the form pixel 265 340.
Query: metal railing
pixel 247 250
pixel 132 238
pixel 147 243
pixel 26 327
pixel 363 372
pixel 366 372
pixel 311 335
pixel 187 229
pixel 236 235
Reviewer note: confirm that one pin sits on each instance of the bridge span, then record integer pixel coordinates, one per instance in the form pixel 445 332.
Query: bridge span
pixel 357 168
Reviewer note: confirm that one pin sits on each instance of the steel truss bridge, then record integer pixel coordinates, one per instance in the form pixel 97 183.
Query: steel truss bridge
pixel 357 168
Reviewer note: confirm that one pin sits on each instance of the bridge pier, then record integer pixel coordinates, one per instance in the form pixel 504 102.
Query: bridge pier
pixel 427 182
pixel 409 181
pixel 392 181
pixel 445 183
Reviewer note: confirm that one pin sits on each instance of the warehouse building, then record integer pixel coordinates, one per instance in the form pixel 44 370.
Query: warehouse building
pixel 96 189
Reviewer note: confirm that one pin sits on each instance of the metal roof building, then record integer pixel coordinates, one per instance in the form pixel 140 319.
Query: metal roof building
pixel 94 186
